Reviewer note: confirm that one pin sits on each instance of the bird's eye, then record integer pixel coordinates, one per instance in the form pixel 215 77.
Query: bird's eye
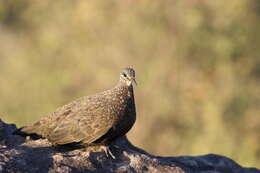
pixel 124 74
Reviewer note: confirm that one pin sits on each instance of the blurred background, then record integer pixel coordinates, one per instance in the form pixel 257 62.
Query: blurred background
pixel 197 64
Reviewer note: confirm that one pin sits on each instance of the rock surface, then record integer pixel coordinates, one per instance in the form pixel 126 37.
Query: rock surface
pixel 18 155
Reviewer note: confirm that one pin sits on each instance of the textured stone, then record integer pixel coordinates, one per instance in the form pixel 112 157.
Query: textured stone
pixel 39 156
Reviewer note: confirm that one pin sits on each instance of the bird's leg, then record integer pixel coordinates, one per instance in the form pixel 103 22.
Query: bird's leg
pixel 108 151
pixel 116 146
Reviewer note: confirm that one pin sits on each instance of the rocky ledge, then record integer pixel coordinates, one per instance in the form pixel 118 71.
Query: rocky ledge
pixel 18 155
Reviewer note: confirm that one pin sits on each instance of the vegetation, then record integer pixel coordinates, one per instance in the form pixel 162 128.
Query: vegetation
pixel 197 65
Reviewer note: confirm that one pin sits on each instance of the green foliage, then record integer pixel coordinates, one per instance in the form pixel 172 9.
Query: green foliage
pixel 197 64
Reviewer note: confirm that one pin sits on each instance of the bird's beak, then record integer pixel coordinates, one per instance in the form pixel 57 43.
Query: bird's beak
pixel 133 81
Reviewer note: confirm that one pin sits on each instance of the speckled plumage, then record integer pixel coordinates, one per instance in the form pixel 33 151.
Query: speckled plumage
pixel 98 118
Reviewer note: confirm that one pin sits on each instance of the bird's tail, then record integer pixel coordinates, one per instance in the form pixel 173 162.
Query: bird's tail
pixel 25 131
pixel 20 132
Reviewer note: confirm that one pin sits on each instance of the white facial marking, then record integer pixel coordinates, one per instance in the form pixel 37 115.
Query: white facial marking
pixel 128 83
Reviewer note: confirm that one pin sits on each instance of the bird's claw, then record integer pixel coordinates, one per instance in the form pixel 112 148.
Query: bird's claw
pixel 108 152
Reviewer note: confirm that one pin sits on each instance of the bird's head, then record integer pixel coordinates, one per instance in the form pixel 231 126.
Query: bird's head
pixel 127 76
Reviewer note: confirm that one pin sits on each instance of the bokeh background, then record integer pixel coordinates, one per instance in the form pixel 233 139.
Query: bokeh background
pixel 197 65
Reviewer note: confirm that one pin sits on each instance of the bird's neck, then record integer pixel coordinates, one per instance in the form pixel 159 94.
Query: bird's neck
pixel 125 89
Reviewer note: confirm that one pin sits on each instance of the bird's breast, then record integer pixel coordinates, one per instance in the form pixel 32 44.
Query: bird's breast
pixel 125 117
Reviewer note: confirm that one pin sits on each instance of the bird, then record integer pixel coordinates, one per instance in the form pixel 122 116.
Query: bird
pixel 96 119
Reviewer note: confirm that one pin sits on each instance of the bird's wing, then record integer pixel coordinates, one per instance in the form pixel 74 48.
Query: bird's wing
pixel 79 126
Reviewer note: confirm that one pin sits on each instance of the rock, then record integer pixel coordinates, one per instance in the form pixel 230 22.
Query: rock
pixel 18 155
